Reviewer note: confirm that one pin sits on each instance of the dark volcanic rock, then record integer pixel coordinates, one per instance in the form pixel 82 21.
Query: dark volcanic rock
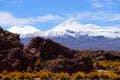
pixel 111 55
pixel 69 65
pixel 57 58
pixel 9 40
pixel 105 55
pixel 36 42
pixel 12 55
pixel 49 49
pixel 16 53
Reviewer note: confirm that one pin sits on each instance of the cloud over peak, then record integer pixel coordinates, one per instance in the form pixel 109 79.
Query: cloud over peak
pixel 96 16
pixel 8 19
pixel 103 3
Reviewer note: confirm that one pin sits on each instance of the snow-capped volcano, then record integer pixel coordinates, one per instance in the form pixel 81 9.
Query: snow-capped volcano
pixel 23 30
pixel 70 27
pixel 70 24
pixel 75 35
pixel 73 28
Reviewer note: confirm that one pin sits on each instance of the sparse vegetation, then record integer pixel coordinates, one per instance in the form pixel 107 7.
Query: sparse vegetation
pixel 104 69
pixel 46 75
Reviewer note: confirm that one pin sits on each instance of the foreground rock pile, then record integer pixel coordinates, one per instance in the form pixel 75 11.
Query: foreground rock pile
pixel 12 55
pixel 55 57
pixel 58 58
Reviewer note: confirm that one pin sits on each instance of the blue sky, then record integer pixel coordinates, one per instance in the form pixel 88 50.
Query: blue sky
pixel 46 14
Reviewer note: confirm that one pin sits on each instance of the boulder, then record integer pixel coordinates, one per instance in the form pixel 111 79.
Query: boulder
pixel 50 49
pixel 9 40
pixel 12 54
pixel 70 66
pixel 57 58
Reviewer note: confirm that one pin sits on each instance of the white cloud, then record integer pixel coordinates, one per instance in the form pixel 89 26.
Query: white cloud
pixel 9 19
pixel 47 18
pixel 102 3
pixel 115 17
pixel 97 16
pixel 97 4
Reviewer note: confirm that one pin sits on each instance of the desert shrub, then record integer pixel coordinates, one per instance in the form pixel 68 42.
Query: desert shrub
pixel 27 76
pixel 4 72
pixel 106 75
pixel 118 70
pixel 108 65
pixel 102 65
pixel 36 75
pixel 78 75
pixel 0 76
pixel 62 76
pixel 38 65
pixel 15 78
pixel 115 77
pixel 45 75
pixel 5 77
pixel 13 75
pixel 29 69
pixel 16 75
pixel 94 75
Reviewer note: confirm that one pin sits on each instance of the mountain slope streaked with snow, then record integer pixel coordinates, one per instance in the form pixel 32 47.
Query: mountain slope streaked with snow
pixel 74 35
pixel 70 27
pixel 75 29
pixel 23 30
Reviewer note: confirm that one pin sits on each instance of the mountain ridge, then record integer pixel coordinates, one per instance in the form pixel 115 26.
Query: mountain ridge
pixel 69 27
pixel 74 35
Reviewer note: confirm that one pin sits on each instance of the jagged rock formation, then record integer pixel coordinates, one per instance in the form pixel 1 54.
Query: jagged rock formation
pixel 58 58
pixel 55 57
pixel 105 55
pixel 49 49
pixel 12 55
pixel 9 40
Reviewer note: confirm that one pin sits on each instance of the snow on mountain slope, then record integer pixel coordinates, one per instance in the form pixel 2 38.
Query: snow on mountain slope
pixel 70 27
pixel 23 30
pixel 74 35
pixel 75 29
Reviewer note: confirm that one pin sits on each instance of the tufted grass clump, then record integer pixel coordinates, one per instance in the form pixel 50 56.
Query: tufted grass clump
pixel 78 75
pixel 62 76
pixel 94 75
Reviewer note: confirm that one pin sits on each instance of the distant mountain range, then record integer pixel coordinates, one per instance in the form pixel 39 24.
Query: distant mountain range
pixel 74 35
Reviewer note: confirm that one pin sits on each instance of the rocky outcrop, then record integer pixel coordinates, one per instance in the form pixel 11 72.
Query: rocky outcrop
pixel 105 55
pixel 54 57
pixel 12 55
pixel 49 49
pixel 9 40
pixel 57 58
pixel 70 66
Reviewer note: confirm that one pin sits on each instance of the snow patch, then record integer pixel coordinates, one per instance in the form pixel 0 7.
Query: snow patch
pixel 23 30
pixel 70 27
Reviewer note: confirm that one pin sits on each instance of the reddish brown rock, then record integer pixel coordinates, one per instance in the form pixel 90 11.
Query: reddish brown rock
pixel 49 49
pixel 12 55
pixel 70 66
pixel 9 40
pixel 57 58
